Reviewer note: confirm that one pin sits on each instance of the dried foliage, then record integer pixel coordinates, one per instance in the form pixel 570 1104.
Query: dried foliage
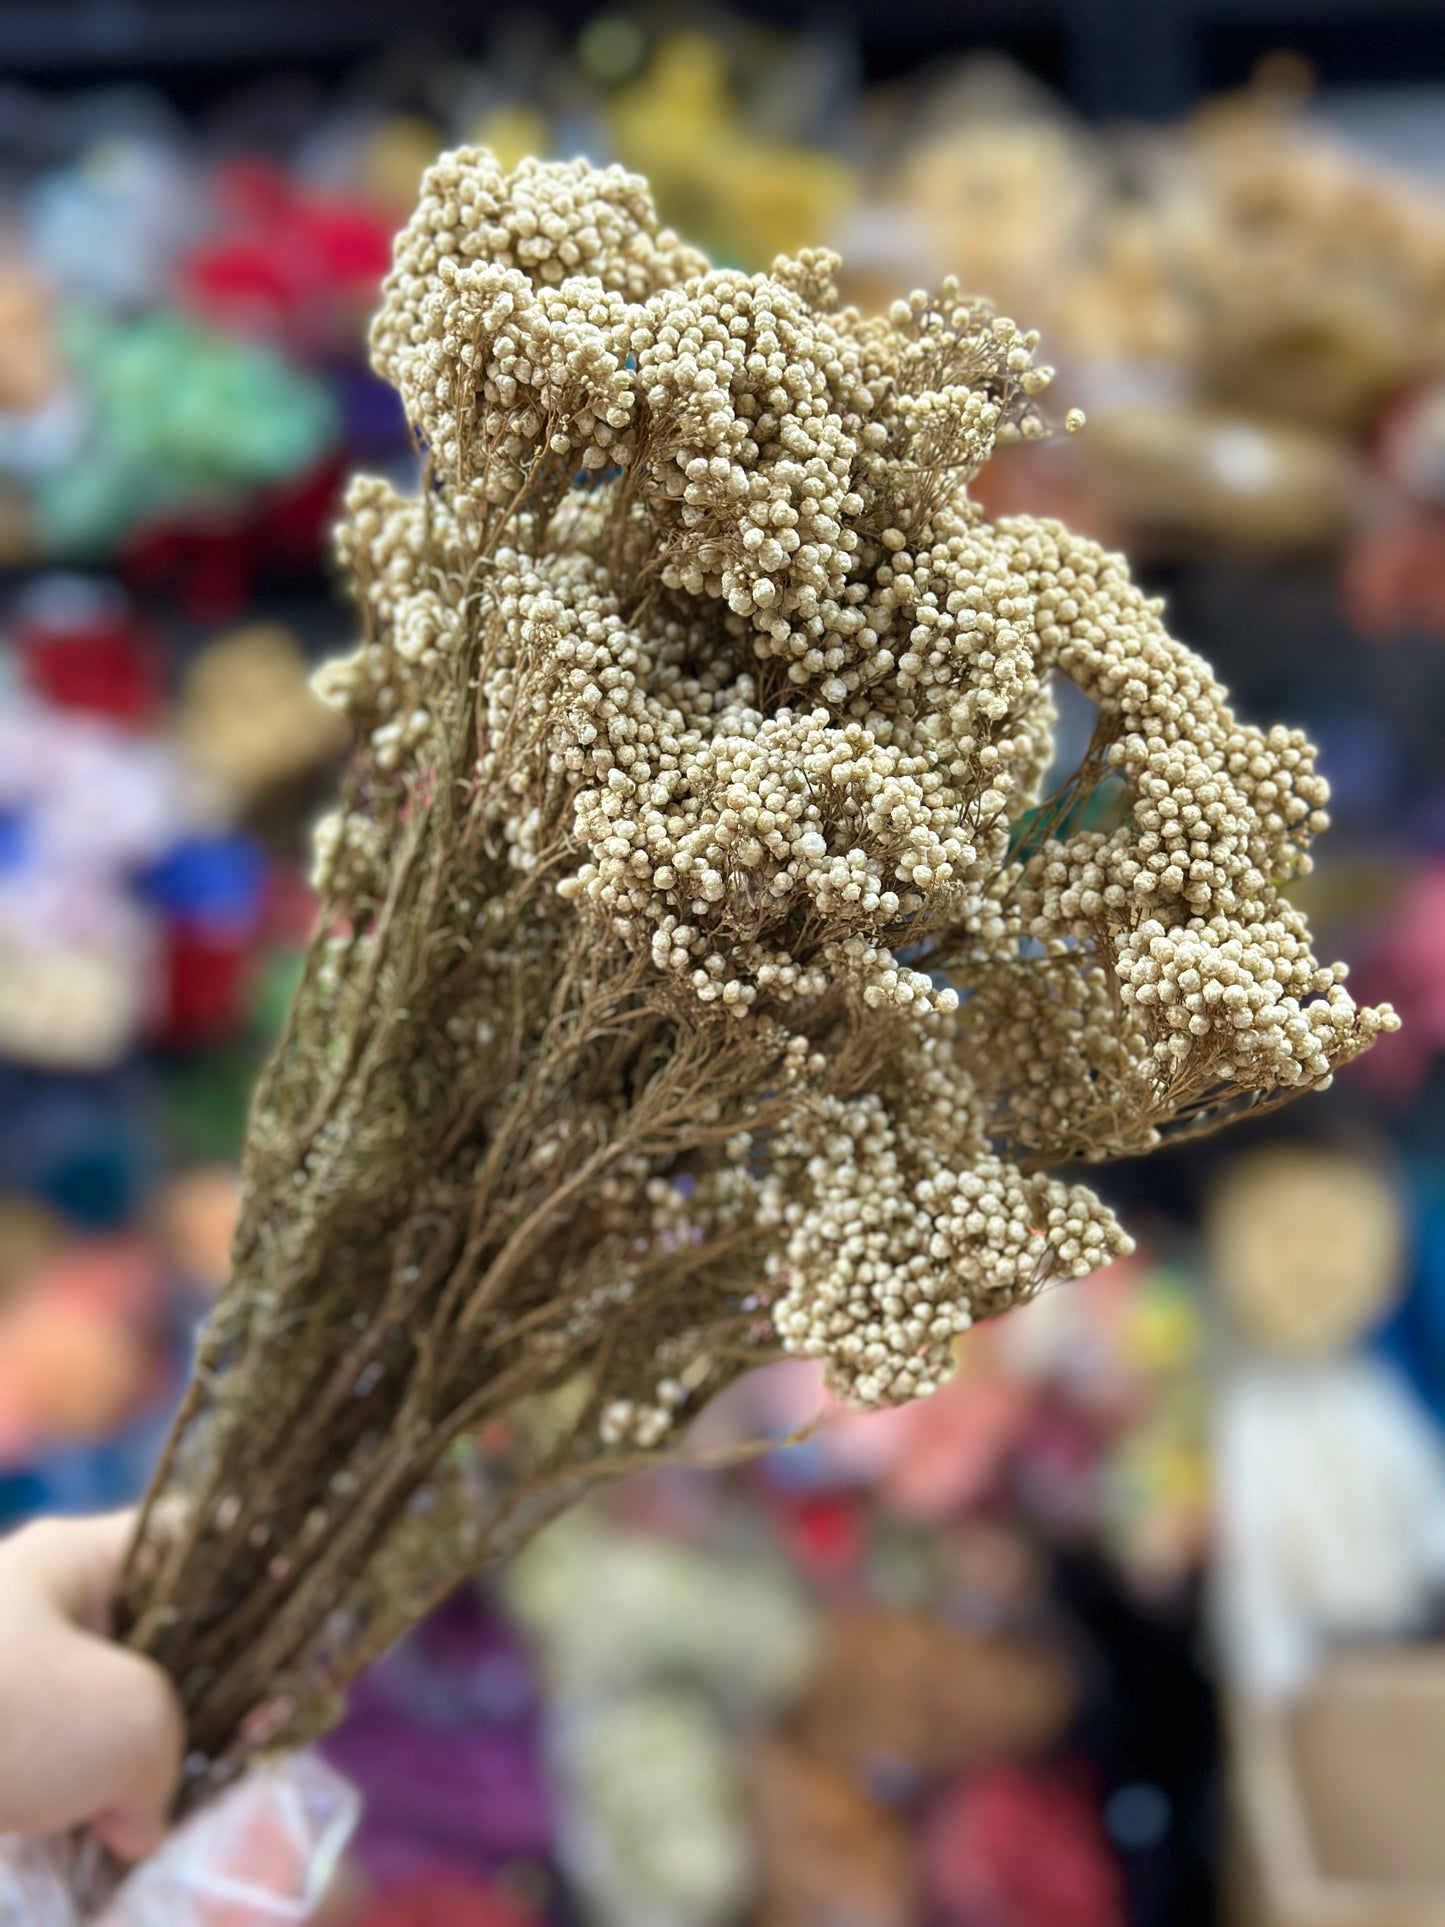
pixel 702 971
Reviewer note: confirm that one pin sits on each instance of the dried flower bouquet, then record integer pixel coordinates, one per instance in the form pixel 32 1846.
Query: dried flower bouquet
pixel 702 972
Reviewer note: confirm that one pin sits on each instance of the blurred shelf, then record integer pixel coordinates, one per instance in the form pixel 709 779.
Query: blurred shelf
pixel 1137 58
pixel 135 34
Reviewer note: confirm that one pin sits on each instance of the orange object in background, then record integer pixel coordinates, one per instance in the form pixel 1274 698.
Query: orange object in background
pixel 905 1692
pixel 76 1350
pixel 31 370
pixel 826 1851
pixel 196 1220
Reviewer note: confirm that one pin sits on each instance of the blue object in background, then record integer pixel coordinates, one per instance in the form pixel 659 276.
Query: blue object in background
pixel 82 1477
pixel 1415 1336
pixel 76 1142
pixel 210 883
pixel 373 421
pixel 14 840
pixel 1425 824
pixel 23 1495
pixel 1360 756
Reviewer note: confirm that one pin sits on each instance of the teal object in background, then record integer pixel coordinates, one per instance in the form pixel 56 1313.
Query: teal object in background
pixel 179 416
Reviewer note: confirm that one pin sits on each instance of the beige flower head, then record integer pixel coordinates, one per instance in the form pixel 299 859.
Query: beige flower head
pixel 696 603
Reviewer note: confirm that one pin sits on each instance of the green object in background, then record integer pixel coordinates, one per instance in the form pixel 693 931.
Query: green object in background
pixel 1104 807
pixel 205 1098
pixel 179 413
pixel 280 974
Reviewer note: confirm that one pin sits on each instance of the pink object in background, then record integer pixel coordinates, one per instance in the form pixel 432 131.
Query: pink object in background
pixel 942 1455
pixel 1408 967
pixel 1020 1847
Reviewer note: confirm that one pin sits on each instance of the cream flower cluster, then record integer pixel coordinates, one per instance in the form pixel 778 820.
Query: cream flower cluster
pixel 899 1227
pixel 697 578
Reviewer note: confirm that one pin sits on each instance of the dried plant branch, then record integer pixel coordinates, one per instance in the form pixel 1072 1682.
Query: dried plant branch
pixel 701 973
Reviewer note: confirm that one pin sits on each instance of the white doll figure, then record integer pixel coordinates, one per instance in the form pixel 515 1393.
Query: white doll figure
pixel 1330 1476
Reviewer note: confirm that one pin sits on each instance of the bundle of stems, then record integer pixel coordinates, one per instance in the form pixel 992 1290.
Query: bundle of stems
pixel 705 970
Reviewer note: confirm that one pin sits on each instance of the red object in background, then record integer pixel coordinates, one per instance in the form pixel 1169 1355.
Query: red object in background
pixel 824 1535
pixel 287 259
pixel 1057 1466
pixel 446 1903
pixel 204 985
pixel 1393 581
pixel 96 658
pixel 1045 478
pixel 1407 445
pixel 289 912
pixel 1015 1847
pixel 210 564
pixel 1394 578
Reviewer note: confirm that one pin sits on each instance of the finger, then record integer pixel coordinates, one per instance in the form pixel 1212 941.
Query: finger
pixel 129 1834
pixel 95 1733
pixel 73 1564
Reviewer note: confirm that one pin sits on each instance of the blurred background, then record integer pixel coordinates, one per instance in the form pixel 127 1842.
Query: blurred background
pixel 1138 1621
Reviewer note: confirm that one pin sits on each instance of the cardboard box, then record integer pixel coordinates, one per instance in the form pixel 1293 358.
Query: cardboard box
pixel 1339 1800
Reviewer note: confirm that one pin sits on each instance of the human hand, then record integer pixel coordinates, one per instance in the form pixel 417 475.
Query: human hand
pixel 89 1733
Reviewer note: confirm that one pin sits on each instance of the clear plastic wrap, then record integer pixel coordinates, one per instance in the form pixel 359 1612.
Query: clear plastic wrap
pixel 265 1852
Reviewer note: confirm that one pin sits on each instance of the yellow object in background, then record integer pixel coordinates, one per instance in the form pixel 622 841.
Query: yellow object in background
pixel 1161 1329
pixel 741 196
pixel 512 132
pixel 248 715
pixel 1009 204
pixel 395 158
pixel 1122 307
